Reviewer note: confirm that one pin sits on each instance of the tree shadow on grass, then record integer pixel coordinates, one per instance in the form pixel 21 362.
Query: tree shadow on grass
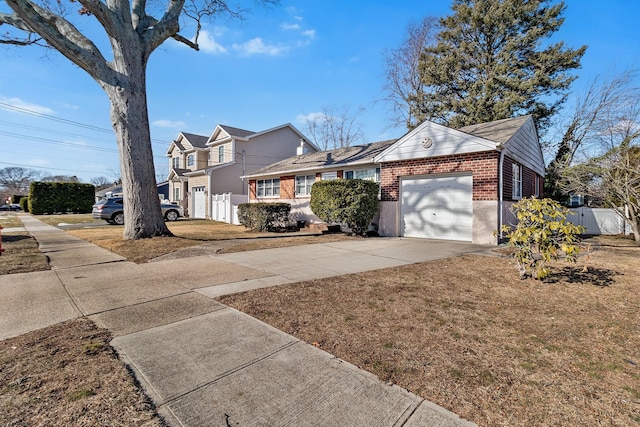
pixel 11 238
pixel 601 277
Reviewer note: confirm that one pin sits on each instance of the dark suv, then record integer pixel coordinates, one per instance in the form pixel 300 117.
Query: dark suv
pixel 111 210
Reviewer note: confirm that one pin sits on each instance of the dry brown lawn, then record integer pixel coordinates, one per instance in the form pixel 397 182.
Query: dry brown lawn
pixel 193 233
pixel 21 254
pixel 467 334
pixel 68 375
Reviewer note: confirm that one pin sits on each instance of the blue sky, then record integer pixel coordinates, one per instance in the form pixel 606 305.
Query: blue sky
pixel 277 66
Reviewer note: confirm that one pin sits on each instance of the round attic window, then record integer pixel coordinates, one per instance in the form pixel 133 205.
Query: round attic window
pixel 427 142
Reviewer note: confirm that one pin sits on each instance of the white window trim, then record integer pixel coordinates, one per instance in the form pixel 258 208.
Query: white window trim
pixel 516 190
pixel 328 176
pixel 307 186
pixel 353 172
pixel 176 194
pixel 175 162
pixel 275 189
pixel 221 154
pixel 191 159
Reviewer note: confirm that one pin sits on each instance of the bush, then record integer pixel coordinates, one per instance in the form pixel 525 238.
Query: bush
pixel 61 197
pixel 24 204
pixel 264 216
pixel 541 235
pixel 352 202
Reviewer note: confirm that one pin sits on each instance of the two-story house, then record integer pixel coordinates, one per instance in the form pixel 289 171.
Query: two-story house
pixel 202 167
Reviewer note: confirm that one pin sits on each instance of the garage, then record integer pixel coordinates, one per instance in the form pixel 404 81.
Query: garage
pixel 199 202
pixel 437 207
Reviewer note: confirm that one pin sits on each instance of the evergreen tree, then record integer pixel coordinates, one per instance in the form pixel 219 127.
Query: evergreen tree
pixel 489 62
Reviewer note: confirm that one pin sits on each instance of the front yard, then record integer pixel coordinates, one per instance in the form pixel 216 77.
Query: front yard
pixel 467 334
pixel 464 332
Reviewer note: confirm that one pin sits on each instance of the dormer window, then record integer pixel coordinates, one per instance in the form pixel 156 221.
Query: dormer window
pixel 191 160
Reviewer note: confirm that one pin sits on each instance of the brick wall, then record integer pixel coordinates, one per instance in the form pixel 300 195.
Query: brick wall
pixel 528 181
pixel 483 166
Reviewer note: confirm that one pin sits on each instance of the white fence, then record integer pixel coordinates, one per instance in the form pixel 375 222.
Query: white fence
pixel 599 221
pixel 224 207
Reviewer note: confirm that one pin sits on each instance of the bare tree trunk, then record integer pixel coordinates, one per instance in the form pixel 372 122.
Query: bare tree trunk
pixel 130 121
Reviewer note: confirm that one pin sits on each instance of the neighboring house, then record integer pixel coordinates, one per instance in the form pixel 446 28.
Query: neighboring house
pixel 290 180
pixel 202 167
pixel 435 182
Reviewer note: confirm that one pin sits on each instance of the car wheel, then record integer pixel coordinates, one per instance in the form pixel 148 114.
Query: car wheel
pixel 171 215
pixel 118 218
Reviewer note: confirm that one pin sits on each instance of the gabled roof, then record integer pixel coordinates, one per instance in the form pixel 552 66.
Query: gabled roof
pixel 177 172
pixel 499 131
pixel 357 154
pixel 232 132
pixel 430 139
pixel 185 141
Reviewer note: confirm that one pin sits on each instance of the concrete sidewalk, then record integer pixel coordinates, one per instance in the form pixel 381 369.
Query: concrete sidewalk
pixel 204 363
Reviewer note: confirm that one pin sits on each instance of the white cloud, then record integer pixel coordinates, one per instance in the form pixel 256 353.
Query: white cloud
pixel 311 117
pixel 208 43
pixel 257 46
pixel 309 33
pixel 290 26
pixel 170 124
pixel 18 105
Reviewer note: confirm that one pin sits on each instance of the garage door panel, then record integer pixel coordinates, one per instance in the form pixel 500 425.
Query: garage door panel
pixel 437 207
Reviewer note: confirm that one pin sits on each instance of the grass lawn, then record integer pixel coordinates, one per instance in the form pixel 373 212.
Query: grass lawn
pixel 188 233
pixel 468 334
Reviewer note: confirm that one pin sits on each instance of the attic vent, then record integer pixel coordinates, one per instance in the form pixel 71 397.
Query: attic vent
pixel 427 142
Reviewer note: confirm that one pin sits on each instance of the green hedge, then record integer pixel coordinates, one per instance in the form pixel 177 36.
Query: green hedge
pixel 24 203
pixel 352 202
pixel 264 216
pixel 61 197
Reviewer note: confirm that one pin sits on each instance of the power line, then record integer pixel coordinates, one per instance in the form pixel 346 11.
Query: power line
pixel 67 121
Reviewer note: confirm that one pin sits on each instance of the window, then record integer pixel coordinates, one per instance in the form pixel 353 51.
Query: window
pixel 372 174
pixel 221 154
pixel 268 188
pixel 516 192
pixel 175 162
pixel 328 176
pixel 176 194
pixel 536 190
pixel 191 160
pixel 303 184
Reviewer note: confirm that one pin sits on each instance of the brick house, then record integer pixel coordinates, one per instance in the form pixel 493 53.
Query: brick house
pixel 435 182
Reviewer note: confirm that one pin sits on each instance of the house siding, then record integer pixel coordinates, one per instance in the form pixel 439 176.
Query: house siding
pixel 528 181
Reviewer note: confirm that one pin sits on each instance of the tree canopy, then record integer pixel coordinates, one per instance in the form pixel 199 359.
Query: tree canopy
pixel 134 31
pixel 493 60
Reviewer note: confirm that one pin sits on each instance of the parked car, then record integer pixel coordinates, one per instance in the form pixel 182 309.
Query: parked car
pixel 11 207
pixel 111 210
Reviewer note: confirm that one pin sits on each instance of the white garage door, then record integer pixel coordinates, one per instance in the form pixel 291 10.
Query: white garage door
pixel 437 207
pixel 199 202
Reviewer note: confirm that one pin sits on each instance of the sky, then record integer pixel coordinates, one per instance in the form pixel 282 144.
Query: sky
pixel 277 66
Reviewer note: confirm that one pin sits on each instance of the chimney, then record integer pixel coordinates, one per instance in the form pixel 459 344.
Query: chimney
pixel 302 148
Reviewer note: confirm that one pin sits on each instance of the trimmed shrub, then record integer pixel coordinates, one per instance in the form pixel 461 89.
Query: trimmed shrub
pixel 264 216
pixel 24 203
pixel 352 202
pixel 61 197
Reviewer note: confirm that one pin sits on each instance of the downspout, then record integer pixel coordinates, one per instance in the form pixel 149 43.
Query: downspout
pixel 500 194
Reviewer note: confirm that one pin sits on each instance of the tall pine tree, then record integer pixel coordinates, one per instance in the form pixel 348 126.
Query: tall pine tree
pixel 490 62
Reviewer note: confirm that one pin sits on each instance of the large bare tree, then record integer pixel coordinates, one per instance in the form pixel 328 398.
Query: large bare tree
pixel 402 74
pixel 15 180
pixel 335 127
pixel 134 30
